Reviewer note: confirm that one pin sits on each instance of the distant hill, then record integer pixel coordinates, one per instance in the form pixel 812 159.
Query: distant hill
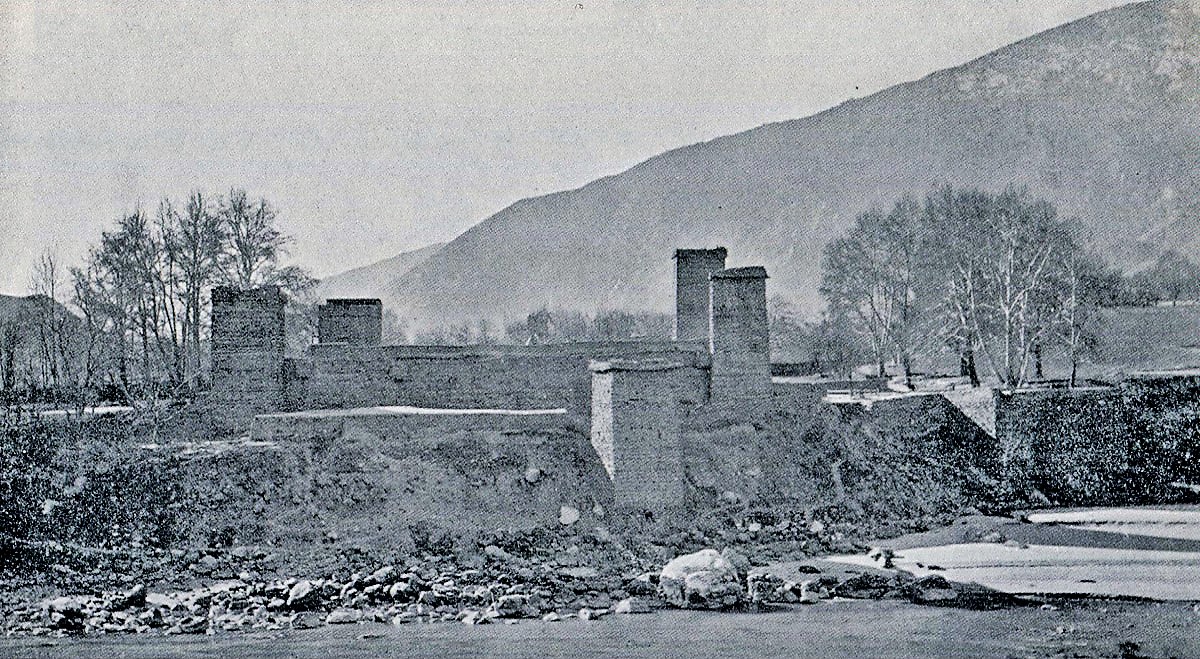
pixel 1100 116
pixel 376 279
pixel 21 323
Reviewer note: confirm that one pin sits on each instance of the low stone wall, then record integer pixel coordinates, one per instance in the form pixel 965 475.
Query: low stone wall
pixel 1132 443
pixel 498 377
pixel 803 393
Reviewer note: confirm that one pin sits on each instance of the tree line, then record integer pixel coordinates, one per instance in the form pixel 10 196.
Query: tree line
pixel 541 326
pixel 997 278
pixel 139 301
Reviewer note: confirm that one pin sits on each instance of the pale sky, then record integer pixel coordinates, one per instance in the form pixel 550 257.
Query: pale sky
pixel 381 127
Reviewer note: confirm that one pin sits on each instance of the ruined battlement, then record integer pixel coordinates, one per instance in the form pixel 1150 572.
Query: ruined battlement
pixel 692 270
pixel 633 395
pixel 248 341
pixel 353 321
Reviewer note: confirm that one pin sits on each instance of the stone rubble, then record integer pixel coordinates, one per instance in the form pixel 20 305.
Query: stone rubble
pixel 552 574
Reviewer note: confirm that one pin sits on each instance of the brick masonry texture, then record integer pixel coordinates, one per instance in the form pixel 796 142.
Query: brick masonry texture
pixel 692 269
pixel 355 321
pixel 248 342
pixel 740 337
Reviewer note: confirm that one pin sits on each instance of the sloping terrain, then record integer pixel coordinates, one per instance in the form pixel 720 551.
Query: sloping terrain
pixel 373 280
pixel 25 322
pixel 1099 115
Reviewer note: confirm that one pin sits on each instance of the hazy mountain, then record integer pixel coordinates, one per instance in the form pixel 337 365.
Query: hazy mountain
pixel 1101 116
pixel 23 323
pixel 377 279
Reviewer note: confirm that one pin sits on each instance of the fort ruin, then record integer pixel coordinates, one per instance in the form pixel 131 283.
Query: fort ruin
pixel 629 396
pixel 645 406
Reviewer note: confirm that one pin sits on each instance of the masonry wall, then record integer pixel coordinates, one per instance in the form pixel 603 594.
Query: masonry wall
pixel 356 321
pixel 740 337
pixel 248 342
pixel 1123 444
pixel 505 377
pixel 692 270
pixel 636 432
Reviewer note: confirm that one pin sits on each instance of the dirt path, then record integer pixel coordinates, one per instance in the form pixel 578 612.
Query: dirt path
pixel 834 629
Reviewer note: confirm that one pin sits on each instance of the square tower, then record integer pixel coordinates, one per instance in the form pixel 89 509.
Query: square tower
pixel 740 339
pixel 636 431
pixel 248 340
pixel 354 321
pixel 692 270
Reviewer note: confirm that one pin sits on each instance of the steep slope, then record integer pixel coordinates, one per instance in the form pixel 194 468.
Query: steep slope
pixel 1099 115
pixel 375 279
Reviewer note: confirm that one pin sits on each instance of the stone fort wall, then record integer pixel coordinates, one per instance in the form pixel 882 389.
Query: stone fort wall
pixel 1130 443
pixel 475 377
pixel 634 403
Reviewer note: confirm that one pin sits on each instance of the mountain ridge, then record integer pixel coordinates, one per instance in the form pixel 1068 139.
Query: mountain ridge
pixel 1097 115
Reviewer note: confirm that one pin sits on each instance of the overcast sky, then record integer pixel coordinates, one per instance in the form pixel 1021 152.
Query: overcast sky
pixel 379 128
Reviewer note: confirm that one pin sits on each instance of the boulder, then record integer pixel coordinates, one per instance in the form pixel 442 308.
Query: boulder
pixel 811 592
pixel 568 515
pixel 381 576
pixel 762 587
pixel 512 606
pixel 643 584
pixel 343 616
pixel 704 579
pixel 306 620
pixel 865 586
pixel 66 613
pixel 134 597
pixel 207 564
pixel 737 560
pixel 303 596
pixel 933 589
pixel 632 605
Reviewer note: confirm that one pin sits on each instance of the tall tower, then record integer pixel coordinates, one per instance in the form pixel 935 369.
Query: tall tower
pixel 740 340
pixel 248 342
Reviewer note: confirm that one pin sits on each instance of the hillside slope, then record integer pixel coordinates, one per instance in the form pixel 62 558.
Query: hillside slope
pixel 1099 115
pixel 374 279
pixel 25 324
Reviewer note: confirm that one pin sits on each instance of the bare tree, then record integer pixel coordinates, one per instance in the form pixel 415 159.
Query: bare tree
pixel 870 278
pixel 198 248
pixel 52 324
pixel 253 243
